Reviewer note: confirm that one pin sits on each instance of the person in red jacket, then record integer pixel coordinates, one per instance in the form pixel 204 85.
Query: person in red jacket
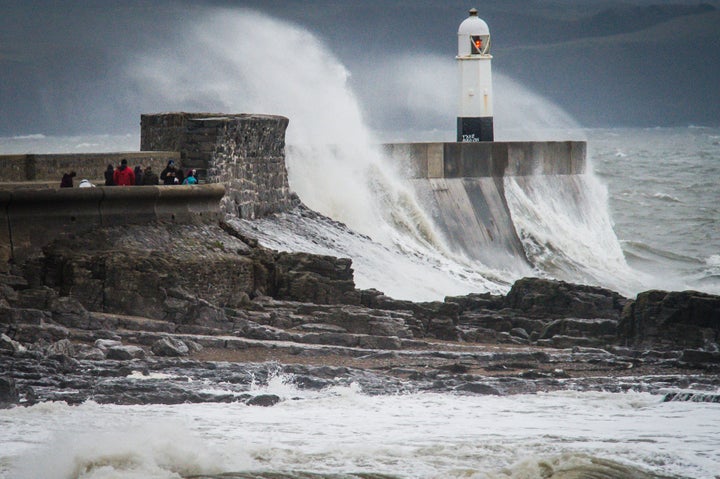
pixel 124 176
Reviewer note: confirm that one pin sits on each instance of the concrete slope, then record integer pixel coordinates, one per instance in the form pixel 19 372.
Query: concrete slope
pixel 473 216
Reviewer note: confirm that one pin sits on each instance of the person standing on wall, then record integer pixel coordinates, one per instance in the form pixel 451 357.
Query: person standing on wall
pixel 169 174
pixel 67 180
pixel 124 175
pixel 138 175
pixel 149 177
pixel 109 173
pixel 191 178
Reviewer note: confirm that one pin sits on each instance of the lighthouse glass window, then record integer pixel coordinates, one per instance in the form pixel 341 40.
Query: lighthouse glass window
pixel 479 44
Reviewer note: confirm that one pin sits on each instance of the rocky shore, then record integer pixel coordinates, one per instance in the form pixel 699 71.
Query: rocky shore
pixel 169 313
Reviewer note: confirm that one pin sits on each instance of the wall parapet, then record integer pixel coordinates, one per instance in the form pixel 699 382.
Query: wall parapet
pixel 489 159
pixel 50 167
pixel 32 218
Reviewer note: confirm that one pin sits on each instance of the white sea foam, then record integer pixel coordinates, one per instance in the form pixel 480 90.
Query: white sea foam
pixel 342 430
pixel 564 225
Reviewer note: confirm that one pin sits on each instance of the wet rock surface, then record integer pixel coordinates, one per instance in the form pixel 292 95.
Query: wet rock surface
pixel 122 316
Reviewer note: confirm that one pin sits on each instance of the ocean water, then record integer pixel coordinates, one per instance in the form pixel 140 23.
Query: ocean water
pixel 664 187
pixel 341 431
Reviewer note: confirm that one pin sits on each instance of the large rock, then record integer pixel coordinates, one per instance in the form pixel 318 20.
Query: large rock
pixel 61 348
pixel 132 269
pixel 9 345
pixel 125 353
pixel 69 312
pixel 305 277
pixel 171 347
pixel 264 400
pixel 8 392
pixel 672 320
pixel 592 328
pixel 544 298
pixel 178 273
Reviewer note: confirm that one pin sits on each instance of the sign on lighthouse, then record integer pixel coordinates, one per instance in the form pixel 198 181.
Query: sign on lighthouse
pixel 475 113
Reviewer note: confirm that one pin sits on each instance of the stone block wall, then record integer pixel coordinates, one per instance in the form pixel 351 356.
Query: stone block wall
pixel 246 152
pixel 31 219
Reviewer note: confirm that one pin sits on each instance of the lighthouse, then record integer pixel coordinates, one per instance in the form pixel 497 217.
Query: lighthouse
pixel 475 109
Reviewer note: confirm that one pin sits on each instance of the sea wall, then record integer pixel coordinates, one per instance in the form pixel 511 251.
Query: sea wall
pixel 32 218
pixel 240 157
pixel 462 186
pixel 246 152
pixel 489 159
pixel 46 170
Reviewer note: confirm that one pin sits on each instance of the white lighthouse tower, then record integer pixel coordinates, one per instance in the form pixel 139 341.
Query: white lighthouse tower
pixel 475 113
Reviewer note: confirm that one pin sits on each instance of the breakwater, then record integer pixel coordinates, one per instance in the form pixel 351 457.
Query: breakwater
pixel 32 218
pixel 463 186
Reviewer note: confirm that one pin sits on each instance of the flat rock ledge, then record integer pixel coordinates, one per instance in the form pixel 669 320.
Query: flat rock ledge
pixel 165 313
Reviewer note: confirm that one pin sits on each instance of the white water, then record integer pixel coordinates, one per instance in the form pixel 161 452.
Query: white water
pixel 567 232
pixel 341 430
pixel 333 163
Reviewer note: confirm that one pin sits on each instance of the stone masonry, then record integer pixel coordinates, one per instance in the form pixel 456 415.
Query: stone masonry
pixel 246 152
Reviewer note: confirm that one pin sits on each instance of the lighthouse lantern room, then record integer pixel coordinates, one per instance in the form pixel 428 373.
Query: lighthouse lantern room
pixel 475 113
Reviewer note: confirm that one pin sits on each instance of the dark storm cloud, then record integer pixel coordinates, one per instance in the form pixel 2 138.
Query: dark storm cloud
pixel 606 62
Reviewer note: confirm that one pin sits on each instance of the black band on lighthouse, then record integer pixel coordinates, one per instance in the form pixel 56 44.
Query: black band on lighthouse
pixel 475 129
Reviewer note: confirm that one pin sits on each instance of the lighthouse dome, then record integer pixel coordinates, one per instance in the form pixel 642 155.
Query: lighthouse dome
pixel 473 36
pixel 473 25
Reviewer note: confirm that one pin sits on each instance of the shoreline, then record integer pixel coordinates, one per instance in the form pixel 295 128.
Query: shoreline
pixel 71 329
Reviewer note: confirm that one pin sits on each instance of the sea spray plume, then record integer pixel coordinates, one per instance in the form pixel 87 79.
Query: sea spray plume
pixel 241 60
pixel 564 222
pixel 250 62
pixel 566 230
pixel 419 91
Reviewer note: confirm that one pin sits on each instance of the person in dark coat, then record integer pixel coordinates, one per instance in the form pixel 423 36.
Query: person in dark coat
pixel 149 177
pixel 109 172
pixel 169 174
pixel 138 175
pixel 67 180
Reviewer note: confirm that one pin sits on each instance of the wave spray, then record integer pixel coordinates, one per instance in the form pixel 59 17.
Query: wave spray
pixel 242 61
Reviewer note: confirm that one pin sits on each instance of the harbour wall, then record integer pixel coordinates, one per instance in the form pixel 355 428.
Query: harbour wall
pixel 462 187
pixel 241 159
pixel 488 159
pixel 32 218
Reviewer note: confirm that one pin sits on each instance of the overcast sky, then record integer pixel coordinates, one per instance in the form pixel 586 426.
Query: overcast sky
pixel 95 66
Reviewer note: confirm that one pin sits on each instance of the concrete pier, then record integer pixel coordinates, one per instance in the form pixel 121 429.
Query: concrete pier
pixel 462 186
pixel 489 159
